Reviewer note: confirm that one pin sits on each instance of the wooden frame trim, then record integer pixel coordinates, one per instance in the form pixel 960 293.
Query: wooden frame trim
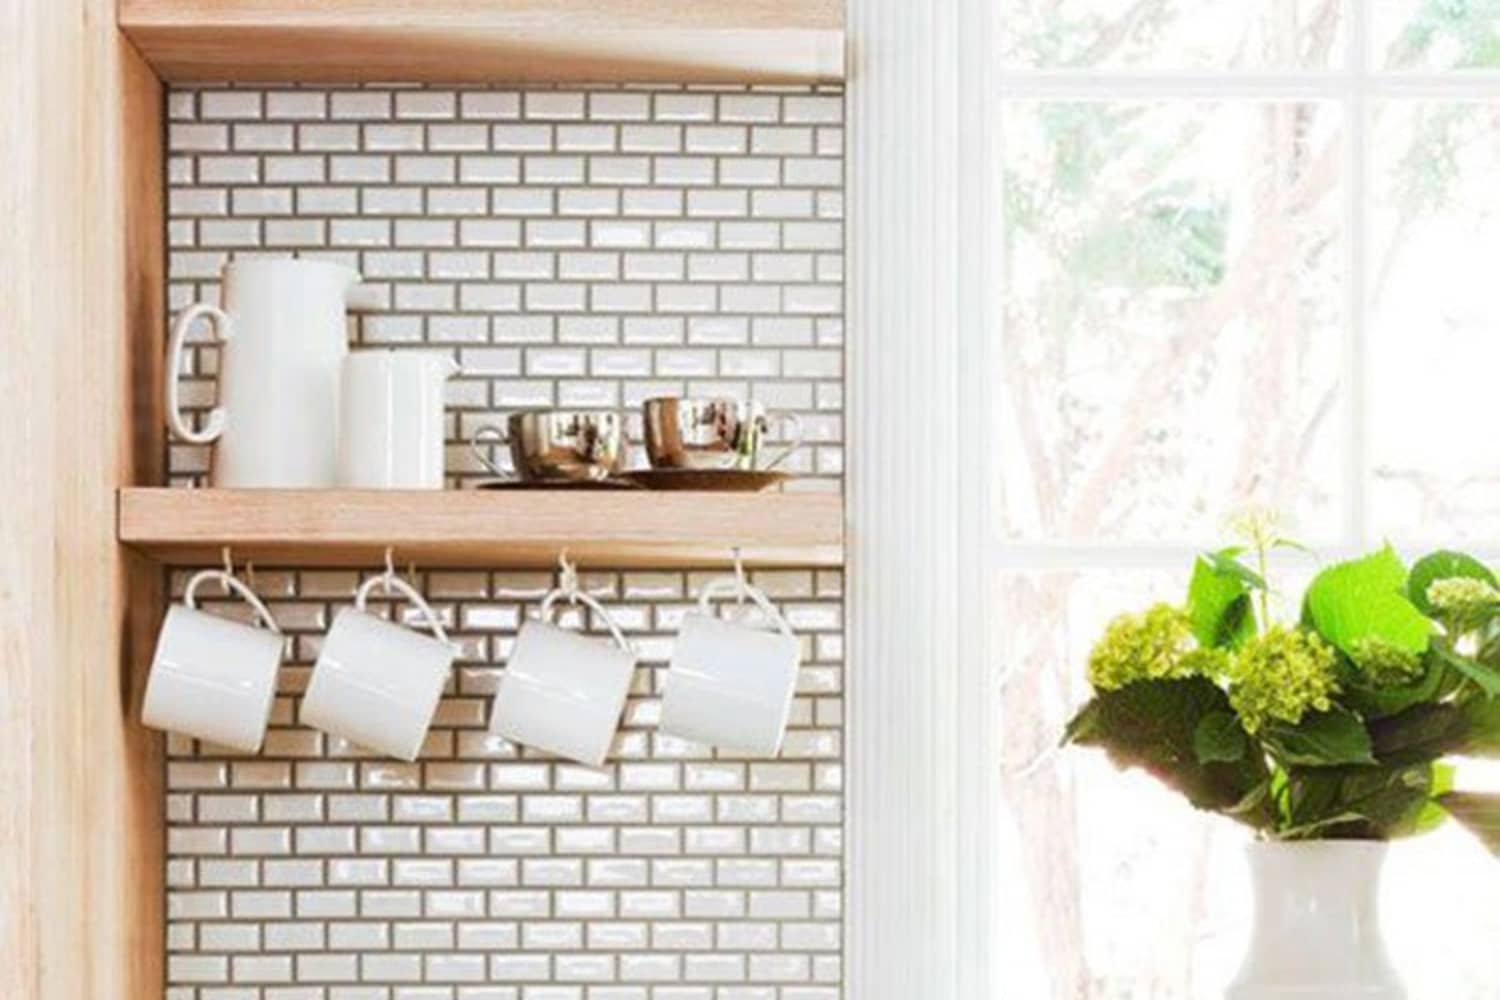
pixel 513 529
pixel 491 41
pixel 82 875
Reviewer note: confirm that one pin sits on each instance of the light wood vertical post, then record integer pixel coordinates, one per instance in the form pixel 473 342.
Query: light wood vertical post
pixel 81 248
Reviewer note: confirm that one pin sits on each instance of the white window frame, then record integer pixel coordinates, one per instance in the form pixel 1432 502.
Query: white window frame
pixel 924 547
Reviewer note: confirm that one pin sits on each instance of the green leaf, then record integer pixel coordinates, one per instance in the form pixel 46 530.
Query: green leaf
pixel 1226 563
pixel 1153 725
pixel 1381 702
pixel 1218 602
pixel 1362 802
pixel 1432 814
pixel 1487 677
pixel 1396 803
pixel 1420 734
pixel 1254 802
pixel 1310 796
pixel 1480 813
pixel 1443 565
pixel 1293 544
pixel 1483 737
pixel 1220 737
pixel 1306 830
pixel 1365 599
pixel 1322 739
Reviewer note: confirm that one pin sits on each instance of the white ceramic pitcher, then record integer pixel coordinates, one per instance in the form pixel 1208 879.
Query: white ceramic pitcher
pixel 284 334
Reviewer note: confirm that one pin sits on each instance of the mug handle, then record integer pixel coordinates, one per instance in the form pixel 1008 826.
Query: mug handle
pixel 190 595
pixel 223 331
pixel 581 598
pixel 483 436
pixel 792 421
pixel 726 586
pixel 391 582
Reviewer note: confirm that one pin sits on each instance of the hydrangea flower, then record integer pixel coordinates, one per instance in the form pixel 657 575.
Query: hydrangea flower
pixel 1151 645
pixel 1210 663
pixel 1385 665
pixel 1462 599
pixel 1282 675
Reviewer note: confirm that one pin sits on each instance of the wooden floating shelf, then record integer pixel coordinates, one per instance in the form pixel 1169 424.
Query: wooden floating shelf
pixel 490 41
pixel 520 529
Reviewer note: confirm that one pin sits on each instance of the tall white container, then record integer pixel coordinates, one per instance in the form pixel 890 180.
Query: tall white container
pixel 282 324
pixel 1317 924
pixel 391 419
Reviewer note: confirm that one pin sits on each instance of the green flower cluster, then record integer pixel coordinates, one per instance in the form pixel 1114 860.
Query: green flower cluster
pixel 1210 663
pixel 1282 675
pixel 1385 665
pixel 1463 600
pixel 1151 645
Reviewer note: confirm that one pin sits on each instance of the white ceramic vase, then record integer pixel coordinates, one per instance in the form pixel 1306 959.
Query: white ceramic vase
pixel 1317 924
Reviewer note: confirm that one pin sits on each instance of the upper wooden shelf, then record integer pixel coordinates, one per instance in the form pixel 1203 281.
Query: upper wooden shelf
pixel 491 41
pixel 521 529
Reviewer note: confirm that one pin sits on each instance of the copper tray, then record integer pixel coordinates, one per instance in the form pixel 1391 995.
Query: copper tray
pixel 557 484
pixel 708 480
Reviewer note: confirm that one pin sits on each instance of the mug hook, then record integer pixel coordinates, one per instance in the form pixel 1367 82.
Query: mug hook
pixel 742 587
pixel 228 569
pixel 567 577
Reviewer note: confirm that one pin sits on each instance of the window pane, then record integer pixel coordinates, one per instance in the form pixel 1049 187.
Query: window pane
pixel 1174 317
pixel 1120 891
pixel 1173 35
pixel 1435 322
pixel 1435 34
pixel 1118 888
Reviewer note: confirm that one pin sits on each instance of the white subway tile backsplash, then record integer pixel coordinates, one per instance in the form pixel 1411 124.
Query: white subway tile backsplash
pixel 572 247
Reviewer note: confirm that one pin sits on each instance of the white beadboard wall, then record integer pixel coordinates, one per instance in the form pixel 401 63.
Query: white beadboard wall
pixel 585 248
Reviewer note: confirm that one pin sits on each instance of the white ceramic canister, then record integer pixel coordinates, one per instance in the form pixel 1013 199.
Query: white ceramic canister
pixel 391 425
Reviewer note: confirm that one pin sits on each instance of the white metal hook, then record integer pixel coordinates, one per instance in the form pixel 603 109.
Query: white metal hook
pixel 567 577
pixel 390 569
pixel 742 584
pixel 228 570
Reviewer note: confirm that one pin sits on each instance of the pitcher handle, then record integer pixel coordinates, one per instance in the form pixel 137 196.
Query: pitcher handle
pixel 579 597
pixel 726 586
pixel 481 436
pixel 391 582
pixel 223 330
pixel 190 595
pixel 792 421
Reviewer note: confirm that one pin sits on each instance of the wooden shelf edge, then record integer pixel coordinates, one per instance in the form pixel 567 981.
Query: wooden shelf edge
pixel 491 41
pixel 469 528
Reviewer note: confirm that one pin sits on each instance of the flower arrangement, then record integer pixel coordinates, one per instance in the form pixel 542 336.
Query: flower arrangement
pixel 1341 726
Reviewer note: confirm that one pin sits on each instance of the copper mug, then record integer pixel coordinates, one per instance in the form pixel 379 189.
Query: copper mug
pixel 557 445
pixel 713 433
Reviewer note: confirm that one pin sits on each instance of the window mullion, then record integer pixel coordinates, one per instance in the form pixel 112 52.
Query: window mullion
pixel 1356 468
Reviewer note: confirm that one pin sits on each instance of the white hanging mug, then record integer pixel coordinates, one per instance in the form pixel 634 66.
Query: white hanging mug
pixel 730 685
pixel 563 692
pixel 376 683
pixel 212 678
